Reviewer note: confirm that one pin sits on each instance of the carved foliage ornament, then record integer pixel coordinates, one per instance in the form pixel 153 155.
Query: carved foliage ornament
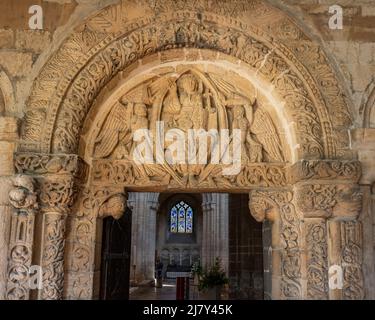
pixel 32 163
pixel 324 200
pixel 93 202
pixel 56 194
pixel 325 170
pixel 317 260
pixel 261 202
pixel 128 174
pixel 351 246
pixel 53 256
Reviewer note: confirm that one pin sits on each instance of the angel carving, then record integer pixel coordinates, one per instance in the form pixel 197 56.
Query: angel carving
pixel 116 128
pixel 258 133
pixel 264 130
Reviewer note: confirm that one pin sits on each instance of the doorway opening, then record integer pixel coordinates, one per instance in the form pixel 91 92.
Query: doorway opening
pixel 167 235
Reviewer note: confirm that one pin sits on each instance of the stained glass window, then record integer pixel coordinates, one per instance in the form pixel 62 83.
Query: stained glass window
pixel 181 218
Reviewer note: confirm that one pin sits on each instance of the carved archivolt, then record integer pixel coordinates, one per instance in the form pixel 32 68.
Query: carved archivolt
pixel 62 102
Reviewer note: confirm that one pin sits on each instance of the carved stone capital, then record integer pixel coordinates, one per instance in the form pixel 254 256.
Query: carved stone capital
pixel 324 170
pixel 56 194
pixel 41 164
pixel 101 202
pixel 326 200
pixel 266 204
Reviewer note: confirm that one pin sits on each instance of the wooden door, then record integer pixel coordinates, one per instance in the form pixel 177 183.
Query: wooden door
pixel 115 270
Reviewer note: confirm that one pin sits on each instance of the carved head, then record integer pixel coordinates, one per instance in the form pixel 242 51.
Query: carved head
pixel 22 196
pixel 140 110
pixel 188 83
pixel 115 206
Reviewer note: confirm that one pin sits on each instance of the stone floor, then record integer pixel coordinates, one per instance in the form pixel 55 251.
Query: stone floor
pixel 167 292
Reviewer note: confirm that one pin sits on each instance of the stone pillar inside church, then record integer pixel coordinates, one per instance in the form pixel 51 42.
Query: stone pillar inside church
pixel 144 208
pixel 215 241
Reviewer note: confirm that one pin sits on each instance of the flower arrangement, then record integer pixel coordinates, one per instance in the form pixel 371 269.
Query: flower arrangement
pixel 212 277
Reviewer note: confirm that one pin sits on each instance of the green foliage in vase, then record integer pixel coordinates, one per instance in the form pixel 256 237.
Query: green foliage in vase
pixel 213 276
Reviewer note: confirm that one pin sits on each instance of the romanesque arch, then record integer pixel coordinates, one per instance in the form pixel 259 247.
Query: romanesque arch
pixel 307 188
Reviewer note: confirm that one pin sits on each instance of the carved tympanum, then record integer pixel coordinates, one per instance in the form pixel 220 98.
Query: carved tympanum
pixel 190 100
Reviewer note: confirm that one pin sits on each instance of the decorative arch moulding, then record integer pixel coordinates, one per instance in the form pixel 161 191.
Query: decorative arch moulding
pixel 98 54
pixel 127 173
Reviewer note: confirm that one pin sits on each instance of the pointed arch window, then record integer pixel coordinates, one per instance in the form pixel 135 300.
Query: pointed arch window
pixel 181 218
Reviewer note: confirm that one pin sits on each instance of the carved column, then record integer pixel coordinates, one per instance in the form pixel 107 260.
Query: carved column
pixel 329 200
pixel 23 198
pixel 8 136
pixel 278 207
pixel 84 230
pixel 56 197
pixel 55 176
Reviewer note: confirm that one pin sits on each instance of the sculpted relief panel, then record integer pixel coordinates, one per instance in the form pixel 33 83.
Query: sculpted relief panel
pixel 183 129
pixel 191 100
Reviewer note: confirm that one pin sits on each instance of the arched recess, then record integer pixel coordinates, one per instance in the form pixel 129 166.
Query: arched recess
pixel 78 87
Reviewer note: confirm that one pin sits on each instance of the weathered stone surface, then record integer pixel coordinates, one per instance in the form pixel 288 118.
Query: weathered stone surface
pixel 34 40
pixel 6 38
pixel 18 64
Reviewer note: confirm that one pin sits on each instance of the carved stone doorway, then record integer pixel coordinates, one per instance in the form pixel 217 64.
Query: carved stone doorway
pixel 245 67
